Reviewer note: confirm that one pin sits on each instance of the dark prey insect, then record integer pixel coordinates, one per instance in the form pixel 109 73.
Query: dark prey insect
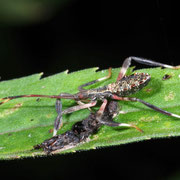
pixel 81 130
pixel 119 90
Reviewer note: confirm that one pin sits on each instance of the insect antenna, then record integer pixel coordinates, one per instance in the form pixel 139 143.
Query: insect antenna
pixel 63 95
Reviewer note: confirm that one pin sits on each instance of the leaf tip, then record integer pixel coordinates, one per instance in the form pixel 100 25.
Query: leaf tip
pixel 66 71
pixel 41 74
pixel 96 69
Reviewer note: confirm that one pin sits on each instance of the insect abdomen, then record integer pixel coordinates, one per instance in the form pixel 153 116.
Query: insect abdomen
pixel 129 84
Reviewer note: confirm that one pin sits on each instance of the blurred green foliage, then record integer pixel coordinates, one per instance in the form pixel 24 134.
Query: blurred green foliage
pixel 28 11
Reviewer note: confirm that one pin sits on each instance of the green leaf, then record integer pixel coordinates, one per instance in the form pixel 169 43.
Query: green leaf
pixel 26 122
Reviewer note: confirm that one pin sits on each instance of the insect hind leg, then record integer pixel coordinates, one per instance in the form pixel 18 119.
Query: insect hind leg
pixel 133 99
pixel 127 63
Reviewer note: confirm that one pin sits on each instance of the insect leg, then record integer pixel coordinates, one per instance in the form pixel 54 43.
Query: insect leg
pixel 79 107
pixel 58 121
pixel 112 123
pixel 100 113
pixel 81 88
pixel 146 104
pixel 149 62
pixel 81 103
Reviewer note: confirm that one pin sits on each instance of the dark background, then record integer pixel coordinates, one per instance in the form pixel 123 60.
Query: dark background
pixel 80 34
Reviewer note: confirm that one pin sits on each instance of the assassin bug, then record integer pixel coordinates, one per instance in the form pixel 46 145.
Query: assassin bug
pixel 124 86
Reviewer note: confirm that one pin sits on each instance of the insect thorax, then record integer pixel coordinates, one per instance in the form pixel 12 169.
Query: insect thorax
pixel 99 93
pixel 129 84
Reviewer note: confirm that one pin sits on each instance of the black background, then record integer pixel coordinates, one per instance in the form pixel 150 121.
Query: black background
pixel 89 34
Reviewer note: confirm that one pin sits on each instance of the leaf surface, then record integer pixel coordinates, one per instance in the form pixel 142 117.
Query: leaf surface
pixel 26 122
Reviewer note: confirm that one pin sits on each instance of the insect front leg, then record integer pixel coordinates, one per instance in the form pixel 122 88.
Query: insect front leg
pixel 100 113
pixel 81 88
pixel 58 121
pixel 79 107
pixel 81 103
pixel 99 117
pixel 133 99
pixel 127 63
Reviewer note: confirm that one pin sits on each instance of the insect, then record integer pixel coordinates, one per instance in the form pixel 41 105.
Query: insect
pixel 81 130
pixel 166 77
pixel 119 90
